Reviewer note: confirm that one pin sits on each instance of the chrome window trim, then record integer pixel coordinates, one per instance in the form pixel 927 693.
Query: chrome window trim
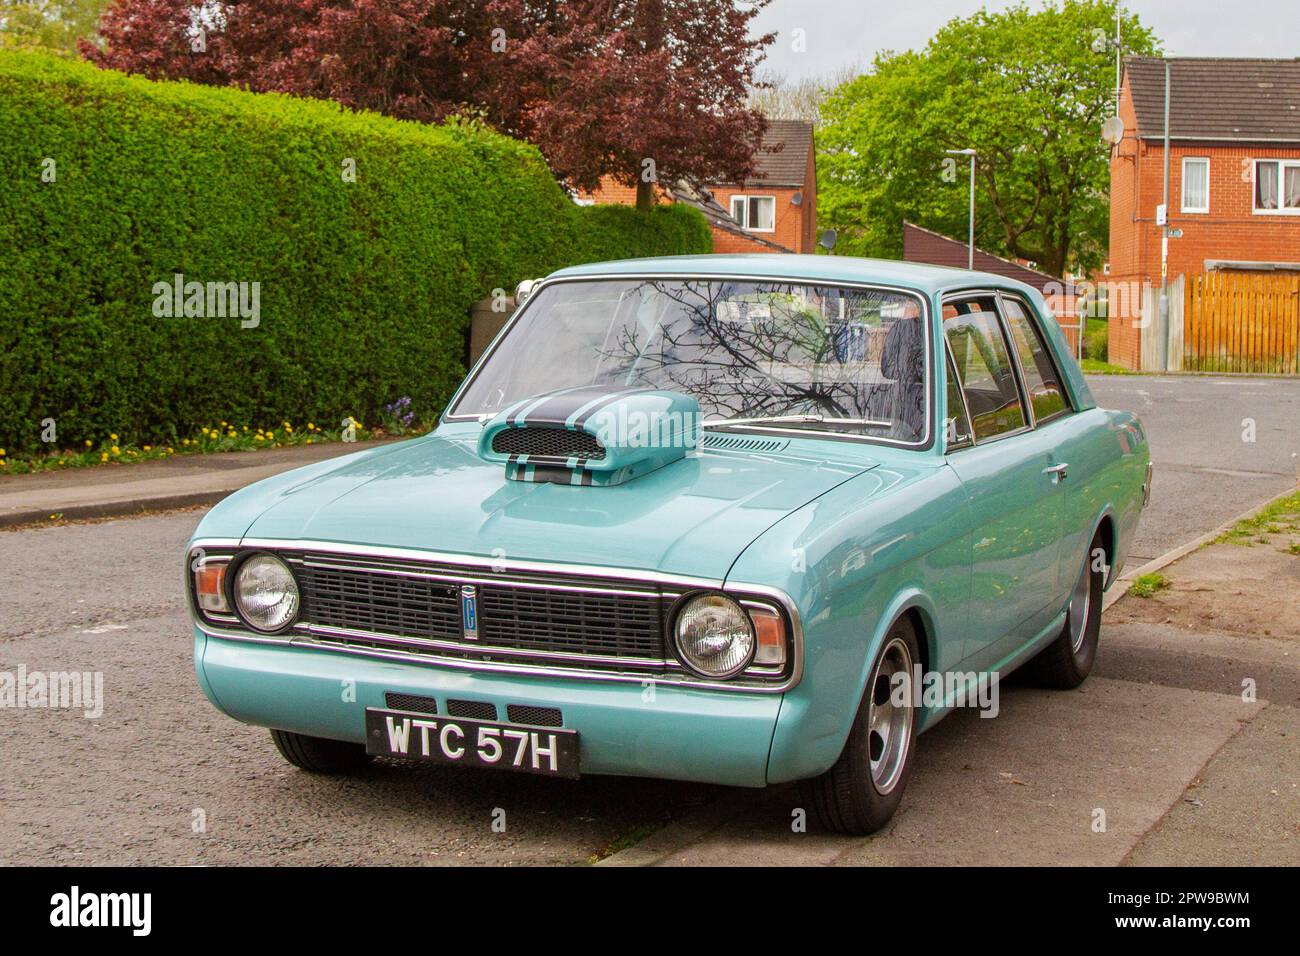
pixel 1025 406
pixel 1036 322
pixel 923 300
pixel 950 365
pixel 753 680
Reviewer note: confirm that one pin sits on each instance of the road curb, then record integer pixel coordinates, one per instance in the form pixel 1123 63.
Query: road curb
pixel 1116 592
pixel 111 509
pixel 117 498
pixel 695 826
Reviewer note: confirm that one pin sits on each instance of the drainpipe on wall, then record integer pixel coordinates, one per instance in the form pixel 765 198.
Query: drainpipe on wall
pixel 1162 326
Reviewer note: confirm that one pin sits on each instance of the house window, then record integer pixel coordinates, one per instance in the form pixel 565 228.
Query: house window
pixel 1196 184
pixel 1277 186
pixel 755 213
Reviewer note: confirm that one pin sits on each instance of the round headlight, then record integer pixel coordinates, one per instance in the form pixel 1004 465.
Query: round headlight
pixel 714 636
pixel 266 594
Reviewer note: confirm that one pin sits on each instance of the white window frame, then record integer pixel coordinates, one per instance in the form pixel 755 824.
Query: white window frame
pixel 1183 185
pixel 746 197
pixel 1283 165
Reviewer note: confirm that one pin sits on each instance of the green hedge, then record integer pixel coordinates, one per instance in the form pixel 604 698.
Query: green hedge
pixel 364 286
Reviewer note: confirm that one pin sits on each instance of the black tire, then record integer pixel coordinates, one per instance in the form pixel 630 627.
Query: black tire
pixel 1062 665
pixel 846 798
pixel 319 755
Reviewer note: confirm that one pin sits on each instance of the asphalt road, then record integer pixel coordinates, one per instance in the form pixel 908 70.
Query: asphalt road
pixel 1206 471
pixel 162 778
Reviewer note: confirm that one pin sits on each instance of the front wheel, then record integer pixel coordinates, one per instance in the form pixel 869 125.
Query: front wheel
pixel 862 790
pixel 319 755
pixel 1067 661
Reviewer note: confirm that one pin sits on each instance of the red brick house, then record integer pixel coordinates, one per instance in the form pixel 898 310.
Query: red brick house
pixel 1234 176
pixel 775 210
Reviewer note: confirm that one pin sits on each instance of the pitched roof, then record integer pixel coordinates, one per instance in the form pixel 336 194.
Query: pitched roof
pixel 719 218
pixel 782 158
pixel 925 245
pixel 1242 100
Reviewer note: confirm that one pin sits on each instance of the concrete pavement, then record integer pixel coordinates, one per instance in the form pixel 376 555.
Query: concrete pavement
pixel 178 482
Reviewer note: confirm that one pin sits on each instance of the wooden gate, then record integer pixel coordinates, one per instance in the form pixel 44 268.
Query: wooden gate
pixel 1241 322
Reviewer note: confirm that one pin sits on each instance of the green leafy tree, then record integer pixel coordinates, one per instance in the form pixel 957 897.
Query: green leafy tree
pixel 54 25
pixel 1026 91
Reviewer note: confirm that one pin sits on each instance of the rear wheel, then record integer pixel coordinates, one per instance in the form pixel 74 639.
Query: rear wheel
pixel 320 755
pixel 862 790
pixel 1067 661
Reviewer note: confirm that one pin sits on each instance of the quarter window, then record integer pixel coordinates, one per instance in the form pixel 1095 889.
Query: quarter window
pixel 983 363
pixel 956 425
pixel 1042 381
pixel 755 213
pixel 1196 184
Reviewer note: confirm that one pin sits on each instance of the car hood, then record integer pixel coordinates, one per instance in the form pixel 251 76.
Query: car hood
pixel 693 517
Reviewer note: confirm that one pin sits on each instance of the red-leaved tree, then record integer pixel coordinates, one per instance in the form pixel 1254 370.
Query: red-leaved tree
pixel 640 90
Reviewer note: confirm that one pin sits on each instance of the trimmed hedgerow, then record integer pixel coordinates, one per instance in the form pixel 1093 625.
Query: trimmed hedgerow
pixel 110 185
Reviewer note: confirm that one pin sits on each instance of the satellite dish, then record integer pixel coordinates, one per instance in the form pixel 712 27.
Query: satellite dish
pixel 827 240
pixel 1112 130
pixel 796 199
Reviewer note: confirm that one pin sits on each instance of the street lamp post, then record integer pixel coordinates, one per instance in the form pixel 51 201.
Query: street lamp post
pixel 970 232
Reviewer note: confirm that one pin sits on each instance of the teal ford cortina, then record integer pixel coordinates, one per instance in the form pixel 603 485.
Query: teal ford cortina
pixel 735 519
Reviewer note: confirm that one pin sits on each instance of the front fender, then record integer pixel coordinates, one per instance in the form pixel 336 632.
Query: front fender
pixel 889 541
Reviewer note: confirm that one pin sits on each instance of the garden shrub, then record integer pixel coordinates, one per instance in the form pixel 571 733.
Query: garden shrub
pixel 110 186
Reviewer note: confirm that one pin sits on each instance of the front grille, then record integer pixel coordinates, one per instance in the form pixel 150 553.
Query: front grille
pixel 561 621
pixel 558 443
pixel 536 716
pixel 382 603
pixel 473 709
pixel 565 616
pixel 412 702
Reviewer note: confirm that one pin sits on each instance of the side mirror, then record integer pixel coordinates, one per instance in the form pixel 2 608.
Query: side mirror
pixel 524 290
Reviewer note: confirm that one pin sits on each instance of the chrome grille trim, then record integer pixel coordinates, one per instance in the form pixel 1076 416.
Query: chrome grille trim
pixel 664 589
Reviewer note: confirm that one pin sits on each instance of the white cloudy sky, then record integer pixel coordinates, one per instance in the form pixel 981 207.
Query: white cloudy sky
pixel 841 33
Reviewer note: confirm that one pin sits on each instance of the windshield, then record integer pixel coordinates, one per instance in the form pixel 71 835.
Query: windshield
pixel 809 356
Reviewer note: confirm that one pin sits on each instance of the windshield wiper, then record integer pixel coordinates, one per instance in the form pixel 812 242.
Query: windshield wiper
pixel 799 420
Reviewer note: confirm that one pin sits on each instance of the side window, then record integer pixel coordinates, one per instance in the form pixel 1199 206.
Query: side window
pixel 957 424
pixel 983 362
pixel 1042 381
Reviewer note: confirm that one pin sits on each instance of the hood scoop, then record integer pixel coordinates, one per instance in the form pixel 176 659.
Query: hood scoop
pixel 595 436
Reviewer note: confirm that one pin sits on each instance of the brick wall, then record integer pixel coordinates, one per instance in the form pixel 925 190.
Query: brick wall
pixel 791 228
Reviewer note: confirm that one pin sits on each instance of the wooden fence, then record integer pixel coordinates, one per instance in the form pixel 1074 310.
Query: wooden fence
pixel 1241 322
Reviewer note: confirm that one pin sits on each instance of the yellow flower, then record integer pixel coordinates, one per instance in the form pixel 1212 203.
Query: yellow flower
pixel 2 452
pixel 311 426
pixel 103 456
pixel 116 450
pixel 171 451
pixel 308 441
pixel 185 441
pixel 112 437
pixel 148 447
pixel 89 443
pixel 223 425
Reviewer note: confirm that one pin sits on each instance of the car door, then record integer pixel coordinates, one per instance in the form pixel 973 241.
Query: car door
pixel 1009 471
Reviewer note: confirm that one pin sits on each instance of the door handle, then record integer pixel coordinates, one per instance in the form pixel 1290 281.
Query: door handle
pixel 1058 472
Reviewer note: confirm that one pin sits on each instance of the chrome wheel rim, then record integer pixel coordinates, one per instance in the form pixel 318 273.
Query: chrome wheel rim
pixel 1079 602
pixel 889 726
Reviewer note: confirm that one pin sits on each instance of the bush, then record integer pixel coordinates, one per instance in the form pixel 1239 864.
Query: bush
pixel 1096 340
pixel 113 184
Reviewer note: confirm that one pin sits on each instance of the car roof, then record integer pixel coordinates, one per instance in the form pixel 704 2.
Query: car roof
pixel 918 276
